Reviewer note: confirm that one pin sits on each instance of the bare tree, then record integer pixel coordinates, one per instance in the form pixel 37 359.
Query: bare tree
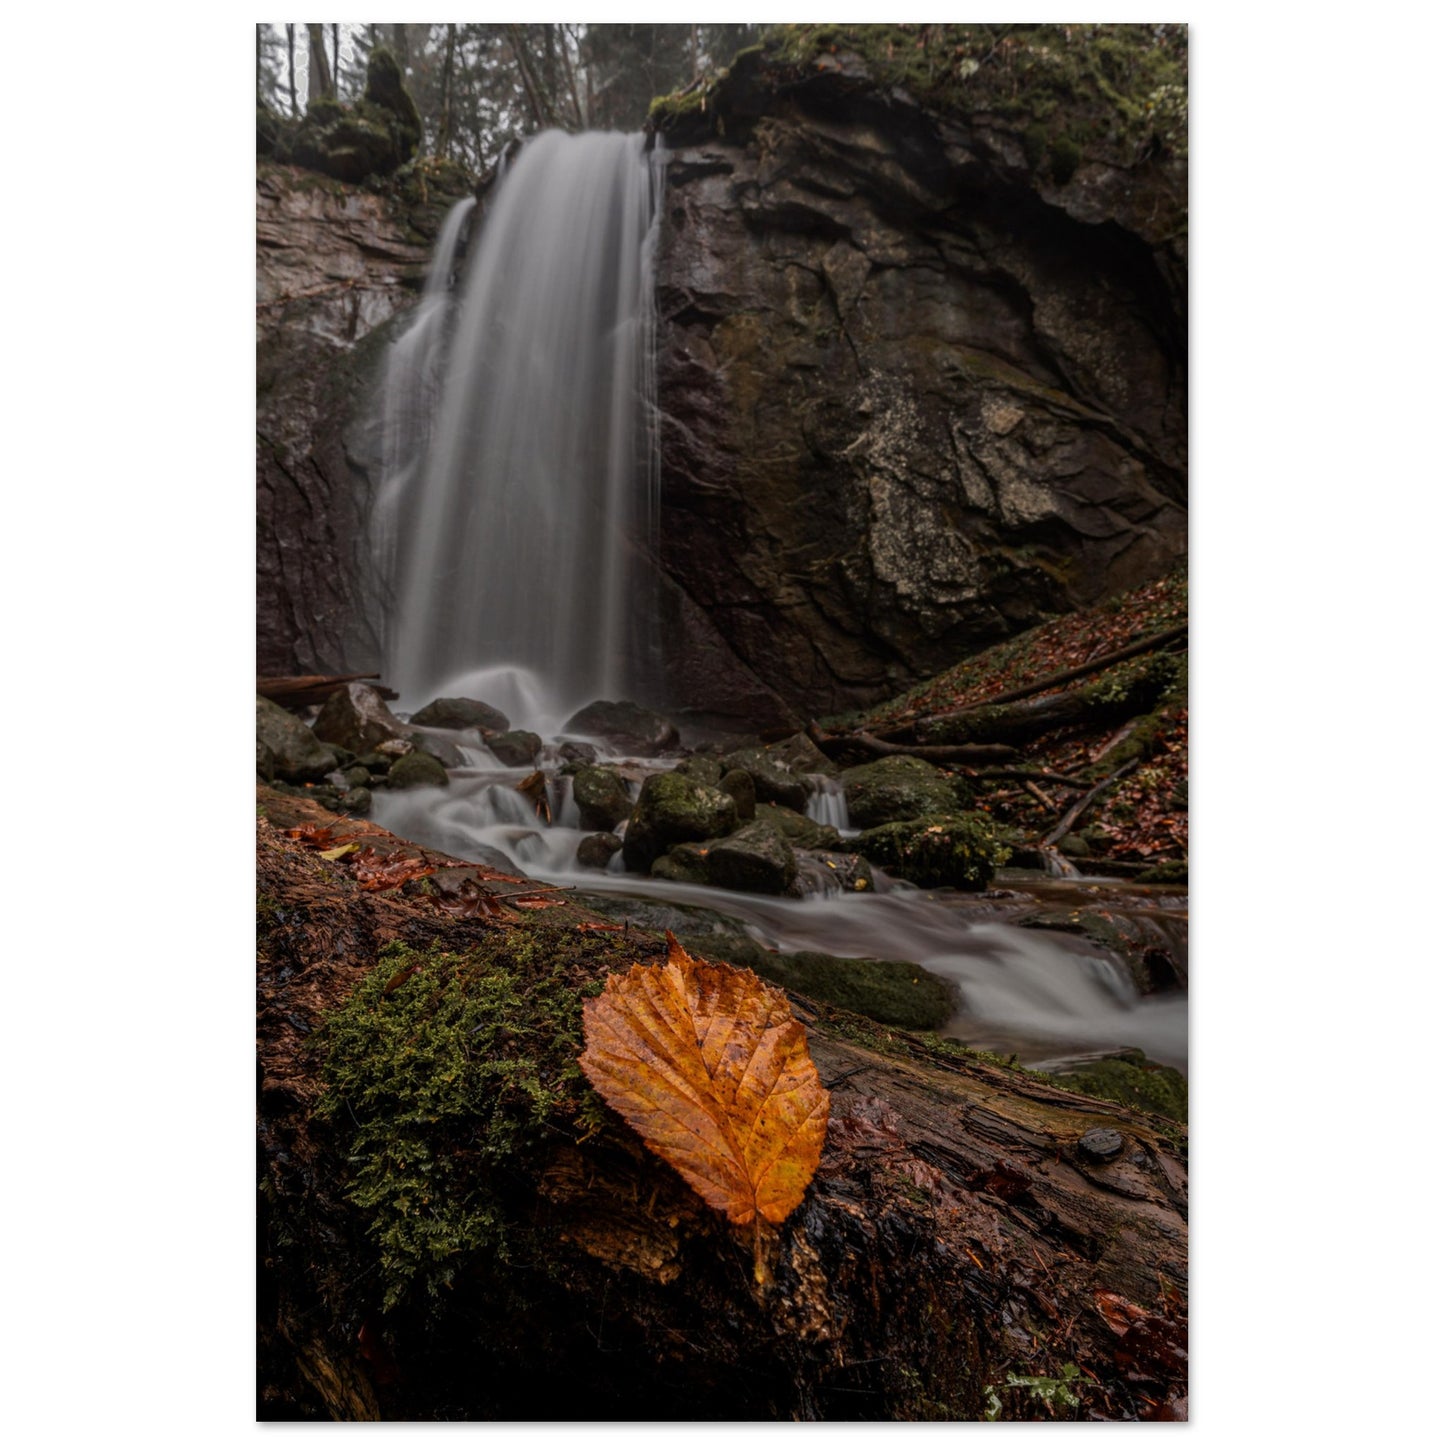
pixel 291 67
pixel 318 79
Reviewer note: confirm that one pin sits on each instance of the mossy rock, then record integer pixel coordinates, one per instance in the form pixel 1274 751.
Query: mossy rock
pixel 686 863
pixel 1130 1078
pixel 417 770
pixel 772 783
pixel 755 859
pixel 596 849
pixel 296 754
pixel 515 749
pixel 895 789
pixel 702 768
pixel 739 786
pixel 801 756
pixel 458 713
pixel 942 850
pixel 889 991
pixel 602 798
pixel 800 830
pixel 674 809
pixel 1171 870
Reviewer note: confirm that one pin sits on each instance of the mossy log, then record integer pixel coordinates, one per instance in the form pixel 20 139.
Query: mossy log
pixel 506 1249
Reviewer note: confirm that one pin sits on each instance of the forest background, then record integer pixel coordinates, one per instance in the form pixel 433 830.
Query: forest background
pixel 130 249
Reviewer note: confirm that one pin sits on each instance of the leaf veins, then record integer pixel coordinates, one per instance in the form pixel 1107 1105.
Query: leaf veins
pixel 707 1063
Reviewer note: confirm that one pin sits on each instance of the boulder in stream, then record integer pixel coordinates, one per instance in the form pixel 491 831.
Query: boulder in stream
pixel 596 849
pixel 738 785
pixel 772 782
pixel 417 770
pixel 602 798
pixel 895 789
pixel 515 749
pixel 672 809
pixel 627 727
pixel 357 718
pixel 940 850
pixel 755 859
pixel 296 754
pixel 458 713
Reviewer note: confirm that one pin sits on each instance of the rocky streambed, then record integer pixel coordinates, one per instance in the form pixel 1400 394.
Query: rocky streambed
pixel 881 888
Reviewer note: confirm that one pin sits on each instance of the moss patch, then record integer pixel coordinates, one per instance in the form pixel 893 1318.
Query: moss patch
pixel 942 850
pixel 448 1070
pixel 1130 1078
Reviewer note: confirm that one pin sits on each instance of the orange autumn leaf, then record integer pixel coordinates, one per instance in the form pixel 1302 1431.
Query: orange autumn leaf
pixel 707 1063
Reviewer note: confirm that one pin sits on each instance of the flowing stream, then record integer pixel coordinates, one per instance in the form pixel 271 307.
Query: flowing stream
pixel 519 491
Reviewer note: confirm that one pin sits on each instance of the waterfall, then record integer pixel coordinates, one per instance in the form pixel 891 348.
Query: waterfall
pixel 514 510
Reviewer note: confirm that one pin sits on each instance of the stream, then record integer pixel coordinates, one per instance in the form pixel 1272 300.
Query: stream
pixel 1052 997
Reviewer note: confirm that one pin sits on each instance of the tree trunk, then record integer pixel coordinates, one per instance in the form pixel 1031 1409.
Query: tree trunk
pixel 444 125
pixel 318 82
pixel 335 57
pixel 291 67
pixel 967 1222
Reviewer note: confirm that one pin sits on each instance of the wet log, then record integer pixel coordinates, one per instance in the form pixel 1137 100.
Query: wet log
pixel 844 746
pixel 304 691
pixel 968 1222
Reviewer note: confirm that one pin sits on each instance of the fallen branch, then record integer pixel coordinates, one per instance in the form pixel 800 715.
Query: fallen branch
pixel 1054 679
pixel 942 753
pixel 303 691
pixel 1077 811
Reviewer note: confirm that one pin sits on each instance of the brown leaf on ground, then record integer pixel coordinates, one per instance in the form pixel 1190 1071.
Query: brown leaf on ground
pixel 709 1066
pixel 376 870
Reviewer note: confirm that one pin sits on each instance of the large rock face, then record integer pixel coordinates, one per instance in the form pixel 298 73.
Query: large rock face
pixel 921 377
pixel 334 266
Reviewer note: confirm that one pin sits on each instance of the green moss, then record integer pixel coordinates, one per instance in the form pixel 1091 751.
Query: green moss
pixel 886 990
pixel 1131 1079
pixel 940 850
pixel 450 1081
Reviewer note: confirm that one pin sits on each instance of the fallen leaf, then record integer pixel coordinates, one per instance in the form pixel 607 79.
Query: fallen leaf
pixel 341 851
pixel 707 1063
pixel 600 927
pixel 1119 1313
pixel 375 870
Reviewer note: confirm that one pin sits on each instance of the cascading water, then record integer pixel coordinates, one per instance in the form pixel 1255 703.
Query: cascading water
pixel 519 493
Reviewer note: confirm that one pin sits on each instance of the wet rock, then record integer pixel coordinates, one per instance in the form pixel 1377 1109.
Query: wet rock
pixel 893 790
pixel 574 753
pixel 602 798
pixel 458 713
pixel 265 761
pixel 515 749
pixel 356 717
pixel 674 809
pixel 1100 1145
pixel 800 755
pixel 626 727
pixel 445 752
pixel 799 829
pixel 943 850
pixel 704 769
pixel 417 770
pixel 686 863
pixel 755 859
pixel 356 800
pixel 850 871
pixel 596 849
pixel 357 776
pixel 297 754
pixel 739 786
pixel 772 782
pixel 394 748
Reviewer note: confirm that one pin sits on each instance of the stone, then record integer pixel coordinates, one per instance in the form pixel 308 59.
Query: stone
pixel 515 749
pixel 297 754
pixel 417 770
pixel 801 756
pixel 458 713
pixel 596 849
pixel 895 789
pixel 674 809
pixel 937 851
pixel 572 752
pixel 1100 1145
pixel 356 717
pixel 799 829
pixel 602 798
pixel 626 727
pixel 739 786
pixel 265 762
pixel 850 871
pixel 755 859
pixel 771 782
pixel 686 863
pixel 356 800
pixel 447 753
pixel 704 769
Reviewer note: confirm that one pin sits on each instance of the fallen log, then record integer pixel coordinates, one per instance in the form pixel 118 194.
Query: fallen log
pixel 1053 680
pixel 968 1221
pixel 304 691
pixel 843 745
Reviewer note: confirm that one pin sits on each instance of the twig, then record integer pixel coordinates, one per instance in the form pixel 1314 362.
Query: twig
pixel 1077 811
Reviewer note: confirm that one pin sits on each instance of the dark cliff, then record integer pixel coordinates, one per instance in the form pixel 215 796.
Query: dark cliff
pixel 923 355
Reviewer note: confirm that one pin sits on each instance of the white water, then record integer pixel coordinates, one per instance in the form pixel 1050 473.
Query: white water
pixel 1045 995
pixel 517 500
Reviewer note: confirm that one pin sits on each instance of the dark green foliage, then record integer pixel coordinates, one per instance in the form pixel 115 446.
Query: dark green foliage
pixel 943 850
pixel 449 1081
